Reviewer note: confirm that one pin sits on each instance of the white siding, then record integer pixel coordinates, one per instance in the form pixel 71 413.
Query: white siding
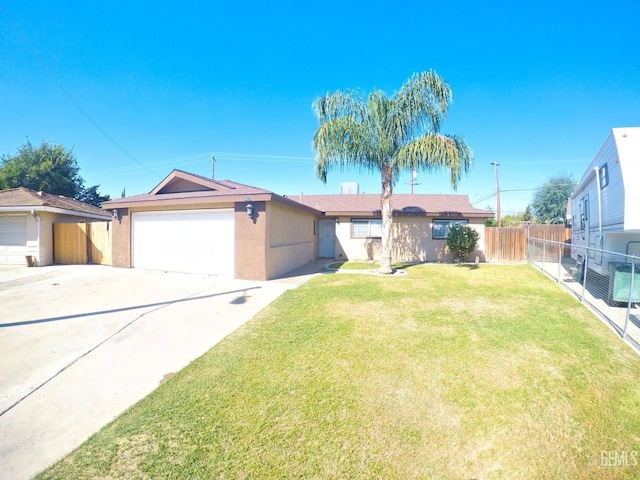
pixel 628 144
pixel 614 218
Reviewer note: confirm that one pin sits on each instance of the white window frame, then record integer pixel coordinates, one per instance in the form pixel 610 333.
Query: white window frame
pixel 439 222
pixel 366 228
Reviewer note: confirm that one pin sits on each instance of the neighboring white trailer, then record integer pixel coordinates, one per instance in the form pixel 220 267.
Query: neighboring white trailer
pixel 605 207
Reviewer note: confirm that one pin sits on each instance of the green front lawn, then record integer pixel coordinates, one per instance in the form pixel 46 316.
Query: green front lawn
pixel 354 265
pixel 447 372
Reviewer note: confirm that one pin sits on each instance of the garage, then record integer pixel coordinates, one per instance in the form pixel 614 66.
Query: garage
pixel 188 241
pixel 13 239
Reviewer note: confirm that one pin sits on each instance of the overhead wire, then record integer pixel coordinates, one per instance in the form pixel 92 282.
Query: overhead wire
pixel 66 92
pixel 196 158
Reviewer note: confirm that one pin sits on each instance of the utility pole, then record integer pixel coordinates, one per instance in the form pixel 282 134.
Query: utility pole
pixel 414 177
pixel 495 167
pixel 213 166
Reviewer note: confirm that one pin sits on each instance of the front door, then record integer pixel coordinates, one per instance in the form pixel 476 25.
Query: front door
pixel 327 242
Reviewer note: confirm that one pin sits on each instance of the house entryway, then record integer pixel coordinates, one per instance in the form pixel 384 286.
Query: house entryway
pixel 327 241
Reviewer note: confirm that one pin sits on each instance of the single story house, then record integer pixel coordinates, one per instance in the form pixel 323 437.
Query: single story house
pixel 26 219
pixel 351 226
pixel 190 223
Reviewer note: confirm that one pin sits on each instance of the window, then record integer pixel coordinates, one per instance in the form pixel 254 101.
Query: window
pixel 366 227
pixel 441 227
pixel 604 176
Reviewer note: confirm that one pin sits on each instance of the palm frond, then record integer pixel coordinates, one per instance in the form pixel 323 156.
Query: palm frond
pixel 342 143
pixel 421 104
pixel 338 104
pixel 435 151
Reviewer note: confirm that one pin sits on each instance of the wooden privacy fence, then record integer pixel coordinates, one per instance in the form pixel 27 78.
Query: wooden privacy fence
pixel 505 244
pixel 508 244
pixel 82 243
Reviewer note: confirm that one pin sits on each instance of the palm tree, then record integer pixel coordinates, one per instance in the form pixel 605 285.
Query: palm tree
pixel 389 135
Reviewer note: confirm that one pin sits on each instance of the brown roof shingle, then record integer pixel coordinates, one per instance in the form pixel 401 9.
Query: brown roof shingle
pixel 25 197
pixel 417 204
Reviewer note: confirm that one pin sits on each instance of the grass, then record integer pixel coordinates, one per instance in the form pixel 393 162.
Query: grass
pixel 447 372
pixel 354 265
pixel 363 265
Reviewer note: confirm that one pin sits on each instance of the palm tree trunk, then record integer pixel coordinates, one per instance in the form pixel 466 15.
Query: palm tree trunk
pixel 387 219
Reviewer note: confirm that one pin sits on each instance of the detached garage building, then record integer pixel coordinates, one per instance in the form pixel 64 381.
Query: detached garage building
pixel 194 224
pixel 26 219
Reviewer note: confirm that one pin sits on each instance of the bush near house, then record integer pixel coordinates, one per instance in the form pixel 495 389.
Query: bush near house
pixel 461 241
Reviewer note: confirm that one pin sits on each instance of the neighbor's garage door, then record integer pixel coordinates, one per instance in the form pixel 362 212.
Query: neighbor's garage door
pixel 13 239
pixel 193 241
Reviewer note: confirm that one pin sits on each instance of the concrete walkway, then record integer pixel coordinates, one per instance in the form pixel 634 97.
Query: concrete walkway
pixel 80 344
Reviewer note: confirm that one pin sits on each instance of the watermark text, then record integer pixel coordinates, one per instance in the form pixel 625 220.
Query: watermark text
pixel 619 458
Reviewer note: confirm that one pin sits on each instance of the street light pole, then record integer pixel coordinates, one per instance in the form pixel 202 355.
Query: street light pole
pixel 495 167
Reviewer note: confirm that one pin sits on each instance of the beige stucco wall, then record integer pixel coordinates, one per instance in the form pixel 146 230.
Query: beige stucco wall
pixel 278 238
pixel 413 241
pixel 43 254
pixel 250 241
pixel 121 239
pixel 291 239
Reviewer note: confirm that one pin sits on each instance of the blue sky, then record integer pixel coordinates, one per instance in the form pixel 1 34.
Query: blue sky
pixel 537 86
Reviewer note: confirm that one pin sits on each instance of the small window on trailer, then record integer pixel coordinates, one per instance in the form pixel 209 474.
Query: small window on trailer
pixel 603 171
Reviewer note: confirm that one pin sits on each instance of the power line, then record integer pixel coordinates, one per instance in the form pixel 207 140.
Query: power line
pixel 201 157
pixel 66 92
pixel 491 195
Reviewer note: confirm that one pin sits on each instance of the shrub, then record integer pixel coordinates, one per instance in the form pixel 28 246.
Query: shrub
pixel 461 241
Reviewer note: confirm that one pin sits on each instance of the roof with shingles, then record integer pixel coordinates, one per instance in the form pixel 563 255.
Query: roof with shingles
pixel 183 188
pixel 25 197
pixel 408 204
pixel 209 189
pixel 180 186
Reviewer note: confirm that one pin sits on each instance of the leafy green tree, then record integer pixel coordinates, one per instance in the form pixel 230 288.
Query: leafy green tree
pixel 90 195
pixel 49 168
pixel 376 133
pixel 550 200
pixel 461 241
pixel 527 216
pixel 513 220
pixel 490 222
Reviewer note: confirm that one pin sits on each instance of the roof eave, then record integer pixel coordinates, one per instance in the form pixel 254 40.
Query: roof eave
pixel 156 201
pixel 63 211
pixel 338 213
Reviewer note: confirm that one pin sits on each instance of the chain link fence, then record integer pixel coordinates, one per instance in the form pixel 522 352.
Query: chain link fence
pixel 607 282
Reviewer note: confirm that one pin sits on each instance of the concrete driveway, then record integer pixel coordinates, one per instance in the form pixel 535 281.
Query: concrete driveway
pixel 80 344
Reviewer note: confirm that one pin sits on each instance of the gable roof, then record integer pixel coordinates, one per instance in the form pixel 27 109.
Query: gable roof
pixel 184 188
pixel 180 185
pixel 179 181
pixel 403 204
pixel 22 199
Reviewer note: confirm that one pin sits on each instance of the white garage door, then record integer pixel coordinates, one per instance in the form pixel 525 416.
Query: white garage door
pixel 13 239
pixel 191 241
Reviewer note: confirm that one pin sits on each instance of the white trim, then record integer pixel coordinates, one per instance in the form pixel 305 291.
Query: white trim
pixel 43 208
